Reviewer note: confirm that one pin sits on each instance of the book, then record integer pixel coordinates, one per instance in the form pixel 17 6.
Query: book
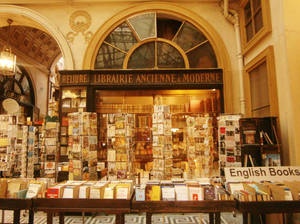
pixel 181 191
pixel 140 193
pixel 272 159
pixel 168 193
pixel 156 193
pixel 209 192
pixel 108 193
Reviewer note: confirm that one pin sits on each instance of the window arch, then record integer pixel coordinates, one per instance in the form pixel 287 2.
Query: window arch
pixel 18 87
pixel 155 40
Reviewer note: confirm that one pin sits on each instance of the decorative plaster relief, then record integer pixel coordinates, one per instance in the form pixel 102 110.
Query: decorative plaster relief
pixel 79 22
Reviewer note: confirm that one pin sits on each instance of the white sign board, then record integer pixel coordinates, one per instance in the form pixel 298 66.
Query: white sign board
pixel 277 173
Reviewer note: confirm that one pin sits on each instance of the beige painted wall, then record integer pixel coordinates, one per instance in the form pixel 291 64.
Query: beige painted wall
pixel 292 40
pixel 285 38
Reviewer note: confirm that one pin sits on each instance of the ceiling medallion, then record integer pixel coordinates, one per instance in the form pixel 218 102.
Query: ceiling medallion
pixel 79 22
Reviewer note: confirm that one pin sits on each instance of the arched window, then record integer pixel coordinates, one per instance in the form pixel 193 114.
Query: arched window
pixel 18 87
pixel 155 41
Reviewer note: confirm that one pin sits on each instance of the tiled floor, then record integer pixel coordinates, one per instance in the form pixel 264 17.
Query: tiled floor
pixel 40 218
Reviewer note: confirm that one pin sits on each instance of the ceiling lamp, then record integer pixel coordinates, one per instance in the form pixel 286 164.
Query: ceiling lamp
pixel 7 58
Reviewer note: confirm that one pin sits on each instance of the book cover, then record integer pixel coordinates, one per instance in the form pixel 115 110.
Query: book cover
pixel 140 193
pixel 155 196
pixel 168 193
pixel 272 160
pixel 181 192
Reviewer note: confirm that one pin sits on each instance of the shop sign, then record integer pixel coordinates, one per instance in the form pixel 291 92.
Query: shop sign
pixel 142 78
pixel 247 174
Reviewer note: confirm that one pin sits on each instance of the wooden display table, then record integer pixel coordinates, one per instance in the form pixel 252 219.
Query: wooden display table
pixel 213 207
pixel 17 205
pixel 268 207
pixel 119 207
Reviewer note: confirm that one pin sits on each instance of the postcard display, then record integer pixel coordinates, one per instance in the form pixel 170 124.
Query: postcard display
pixel 31 159
pixel 119 145
pixel 7 141
pixel 200 146
pixel 229 142
pixel 24 151
pixel 82 142
pixel 162 142
pixel 50 148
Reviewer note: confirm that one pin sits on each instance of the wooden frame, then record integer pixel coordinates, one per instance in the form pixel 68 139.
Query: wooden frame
pixel 266 29
pixel 266 56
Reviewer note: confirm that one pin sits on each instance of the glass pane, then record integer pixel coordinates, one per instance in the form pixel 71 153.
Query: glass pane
pixel 168 56
pixel 167 28
pixel 8 85
pixel 189 36
pixel 203 57
pixel 122 37
pixel 25 99
pixel 144 25
pixel 256 5
pixel 258 21
pixel 109 57
pixel 25 86
pixel 143 57
pixel 247 12
pixel 18 76
pixel 17 88
pixel 259 87
pixel 249 32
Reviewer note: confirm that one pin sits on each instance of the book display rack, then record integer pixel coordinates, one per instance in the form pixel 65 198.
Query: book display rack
pixel 243 197
pixel 260 141
pixel 82 141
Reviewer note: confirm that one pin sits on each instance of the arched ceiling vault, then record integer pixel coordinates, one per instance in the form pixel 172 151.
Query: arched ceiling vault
pixel 29 38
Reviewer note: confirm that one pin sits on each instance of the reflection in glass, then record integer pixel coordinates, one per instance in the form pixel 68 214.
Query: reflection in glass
pixel 122 37
pixel 167 28
pixel 258 21
pixel 247 12
pixel 143 57
pixel 17 88
pixel 25 99
pixel 25 86
pixel 168 56
pixel 109 57
pixel 189 37
pixel 203 57
pixel 18 76
pixel 128 34
pixel 249 32
pixel 256 5
pixel 144 25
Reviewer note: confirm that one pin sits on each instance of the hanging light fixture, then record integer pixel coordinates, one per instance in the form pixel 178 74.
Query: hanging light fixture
pixel 7 58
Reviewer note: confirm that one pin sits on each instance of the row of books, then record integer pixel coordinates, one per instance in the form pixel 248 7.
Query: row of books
pixel 180 190
pixel 92 190
pixel 266 191
pixel 23 187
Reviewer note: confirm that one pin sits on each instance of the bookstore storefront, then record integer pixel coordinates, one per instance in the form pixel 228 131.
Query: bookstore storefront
pixel 133 130
pixel 149 60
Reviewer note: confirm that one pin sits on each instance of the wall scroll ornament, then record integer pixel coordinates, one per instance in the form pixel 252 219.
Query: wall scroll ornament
pixel 79 22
